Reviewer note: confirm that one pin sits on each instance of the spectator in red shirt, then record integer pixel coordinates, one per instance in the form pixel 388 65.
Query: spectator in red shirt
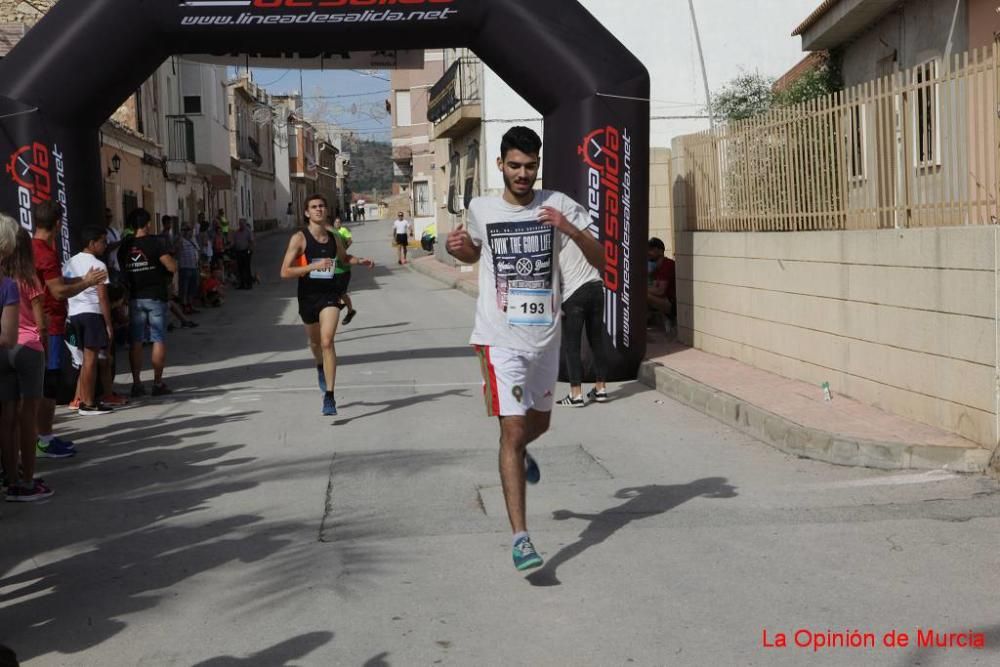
pixel 662 292
pixel 48 217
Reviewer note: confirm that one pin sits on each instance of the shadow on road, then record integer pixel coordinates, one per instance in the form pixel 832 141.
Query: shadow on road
pixel 270 370
pixel 378 660
pixel 278 655
pixel 642 502
pixel 630 389
pixel 397 404
pixel 354 329
pixel 141 486
pixel 156 504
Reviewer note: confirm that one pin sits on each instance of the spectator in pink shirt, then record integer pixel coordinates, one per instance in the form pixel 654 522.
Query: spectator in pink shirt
pixel 22 369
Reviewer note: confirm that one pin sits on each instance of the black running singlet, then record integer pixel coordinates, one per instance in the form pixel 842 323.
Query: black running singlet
pixel 318 282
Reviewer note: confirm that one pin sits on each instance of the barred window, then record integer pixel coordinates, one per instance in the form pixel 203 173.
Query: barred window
pixel 926 140
pixel 856 139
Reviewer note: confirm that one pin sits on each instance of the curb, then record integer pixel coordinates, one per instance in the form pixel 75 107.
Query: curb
pixel 791 438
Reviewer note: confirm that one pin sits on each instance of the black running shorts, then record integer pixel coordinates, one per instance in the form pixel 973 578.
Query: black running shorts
pixel 310 305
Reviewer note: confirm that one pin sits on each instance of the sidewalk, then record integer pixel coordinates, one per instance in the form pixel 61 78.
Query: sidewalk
pixel 790 415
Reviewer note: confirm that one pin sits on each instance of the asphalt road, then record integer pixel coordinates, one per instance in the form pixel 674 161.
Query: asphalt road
pixel 232 524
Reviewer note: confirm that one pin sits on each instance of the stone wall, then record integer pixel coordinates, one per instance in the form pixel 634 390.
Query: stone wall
pixel 904 320
pixel 20 11
pixel 660 204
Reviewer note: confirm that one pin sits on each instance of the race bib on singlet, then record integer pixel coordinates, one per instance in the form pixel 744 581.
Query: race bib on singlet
pixel 321 274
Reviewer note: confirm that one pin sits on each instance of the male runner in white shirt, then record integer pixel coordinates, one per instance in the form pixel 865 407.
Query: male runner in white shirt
pixel 518 236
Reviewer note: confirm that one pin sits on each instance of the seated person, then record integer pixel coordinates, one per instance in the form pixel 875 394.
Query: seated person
pixel 661 294
pixel 211 291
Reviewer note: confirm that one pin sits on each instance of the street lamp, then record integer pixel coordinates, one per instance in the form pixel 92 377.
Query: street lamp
pixel 116 165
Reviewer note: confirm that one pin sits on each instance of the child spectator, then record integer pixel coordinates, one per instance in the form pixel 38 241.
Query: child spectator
pixel 106 360
pixel 212 288
pixel 9 296
pixel 90 316
pixel 26 363
pixel 9 311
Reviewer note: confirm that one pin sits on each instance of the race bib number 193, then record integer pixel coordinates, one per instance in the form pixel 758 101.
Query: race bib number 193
pixel 530 307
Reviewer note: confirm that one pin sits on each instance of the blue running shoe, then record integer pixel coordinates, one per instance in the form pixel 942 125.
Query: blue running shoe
pixel 329 405
pixel 322 379
pixel 68 445
pixel 52 450
pixel 532 475
pixel 525 556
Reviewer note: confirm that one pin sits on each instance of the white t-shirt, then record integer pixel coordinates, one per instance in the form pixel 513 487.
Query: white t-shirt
pixel 576 270
pixel 519 253
pixel 401 226
pixel 86 301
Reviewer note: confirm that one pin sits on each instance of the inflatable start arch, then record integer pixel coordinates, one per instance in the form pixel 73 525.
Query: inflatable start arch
pixel 73 69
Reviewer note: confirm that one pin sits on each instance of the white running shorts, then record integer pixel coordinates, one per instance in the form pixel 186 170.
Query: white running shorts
pixel 515 381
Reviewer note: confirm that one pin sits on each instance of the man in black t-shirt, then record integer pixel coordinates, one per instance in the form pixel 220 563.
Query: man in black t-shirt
pixel 148 268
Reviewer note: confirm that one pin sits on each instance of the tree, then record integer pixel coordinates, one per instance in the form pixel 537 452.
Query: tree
pixel 751 94
pixel 818 82
pixel 748 95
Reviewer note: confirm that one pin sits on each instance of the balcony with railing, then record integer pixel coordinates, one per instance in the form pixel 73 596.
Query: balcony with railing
pixel 180 144
pixel 455 104
pixel 248 151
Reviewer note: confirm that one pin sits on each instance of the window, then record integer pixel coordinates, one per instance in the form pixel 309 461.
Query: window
pixel 454 196
pixel 856 136
pixel 403 118
pixel 422 199
pixel 139 125
pixel 926 112
pixel 192 104
pixel 293 141
pixel 130 202
pixel 471 188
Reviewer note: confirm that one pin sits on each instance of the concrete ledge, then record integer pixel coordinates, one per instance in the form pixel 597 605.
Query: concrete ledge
pixel 792 438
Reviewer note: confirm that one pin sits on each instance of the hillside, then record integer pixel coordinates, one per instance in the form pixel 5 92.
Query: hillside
pixel 371 165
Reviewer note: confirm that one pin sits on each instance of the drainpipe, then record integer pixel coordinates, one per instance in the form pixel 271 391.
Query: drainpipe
pixel 996 342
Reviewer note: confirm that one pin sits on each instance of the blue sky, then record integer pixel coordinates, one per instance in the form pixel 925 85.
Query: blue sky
pixel 353 99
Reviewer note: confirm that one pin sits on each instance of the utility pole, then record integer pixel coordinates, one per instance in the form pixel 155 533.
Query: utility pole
pixel 704 74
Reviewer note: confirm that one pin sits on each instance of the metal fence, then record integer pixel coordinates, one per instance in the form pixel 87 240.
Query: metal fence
pixel 914 148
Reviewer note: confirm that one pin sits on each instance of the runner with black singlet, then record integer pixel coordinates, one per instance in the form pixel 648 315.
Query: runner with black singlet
pixel 312 257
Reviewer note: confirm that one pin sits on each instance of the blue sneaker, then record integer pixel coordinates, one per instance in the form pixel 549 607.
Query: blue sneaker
pixel 532 475
pixel 329 405
pixel 525 556
pixel 322 379
pixel 68 445
pixel 52 450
